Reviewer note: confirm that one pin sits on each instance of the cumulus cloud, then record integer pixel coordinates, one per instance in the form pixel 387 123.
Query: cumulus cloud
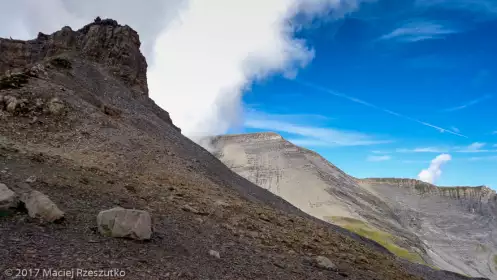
pixel 202 54
pixel 433 172
pixel 216 49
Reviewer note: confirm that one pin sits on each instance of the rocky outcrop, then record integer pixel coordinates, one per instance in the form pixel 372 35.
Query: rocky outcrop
pixel 120 222
pixel 103 41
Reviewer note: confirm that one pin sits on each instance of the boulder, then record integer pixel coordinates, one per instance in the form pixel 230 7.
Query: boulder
pixel 324 263
pixel 8 199
pixel 40 206
pixel 120 222
pixel 215 254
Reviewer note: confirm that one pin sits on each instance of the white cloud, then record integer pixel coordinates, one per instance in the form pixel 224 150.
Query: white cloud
pixel 418 31
pixel 380 152
pixel 379 158
pixel 468 104
pixel 218 48
pixel 423 150
pixel 484 158
pixel 433 172
pixel 202 54
pixel 309 135
pixel 475 146
pixel 455 129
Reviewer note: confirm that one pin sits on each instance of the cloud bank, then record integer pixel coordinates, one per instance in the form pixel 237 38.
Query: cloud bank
pixel 202 54
pixel 433 172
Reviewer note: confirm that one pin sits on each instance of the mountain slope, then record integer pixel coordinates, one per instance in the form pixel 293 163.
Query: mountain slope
pixel 77 124
pixel 458 224
pixel 317 187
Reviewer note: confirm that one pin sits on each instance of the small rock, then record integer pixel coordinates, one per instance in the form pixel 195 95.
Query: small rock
pixel 189 208
pixel 8 199
pixel 120 222
pixel 31 179
pixel 280 265
pixel 214 254
pixel 11 103
pixel 40 206
pixel 324 263
pixel 56 106
pixel 361 259
pixel 264 217
pixel 221 203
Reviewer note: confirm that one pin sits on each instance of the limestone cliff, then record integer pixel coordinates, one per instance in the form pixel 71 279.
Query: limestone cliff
pixel 474 198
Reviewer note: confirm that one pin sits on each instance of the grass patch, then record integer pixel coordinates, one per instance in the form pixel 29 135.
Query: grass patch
pixel 495 261
pixel 385 239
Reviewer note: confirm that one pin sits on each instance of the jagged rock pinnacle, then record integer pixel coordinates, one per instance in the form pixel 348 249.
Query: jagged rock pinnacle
pixel 103 41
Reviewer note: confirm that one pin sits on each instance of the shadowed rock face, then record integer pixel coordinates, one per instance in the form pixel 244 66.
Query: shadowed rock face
pixel 447 227
pixel 458 224
pixel 104 41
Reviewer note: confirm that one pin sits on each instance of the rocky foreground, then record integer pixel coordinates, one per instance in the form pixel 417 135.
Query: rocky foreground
pixel 95 176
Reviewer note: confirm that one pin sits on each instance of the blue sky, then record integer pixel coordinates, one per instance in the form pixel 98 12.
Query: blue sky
pixel 391 87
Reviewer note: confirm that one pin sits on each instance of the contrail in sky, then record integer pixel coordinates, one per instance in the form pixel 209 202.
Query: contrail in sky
pixel 356 100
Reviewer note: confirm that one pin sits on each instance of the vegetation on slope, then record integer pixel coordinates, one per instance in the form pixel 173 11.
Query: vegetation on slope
pixel 385 239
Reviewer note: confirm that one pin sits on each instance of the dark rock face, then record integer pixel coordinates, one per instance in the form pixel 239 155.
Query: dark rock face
pixel 104 41
pixel 115 48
